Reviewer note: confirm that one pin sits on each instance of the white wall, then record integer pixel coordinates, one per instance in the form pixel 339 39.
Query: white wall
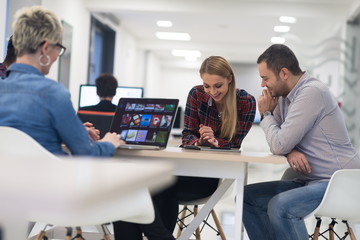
pixel 2 29
pixel 176 83
pixel 129 62
pixel 74 13
pixel 129 59
pixel 152 86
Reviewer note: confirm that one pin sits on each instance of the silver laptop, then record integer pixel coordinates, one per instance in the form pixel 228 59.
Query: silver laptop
pixel 144 123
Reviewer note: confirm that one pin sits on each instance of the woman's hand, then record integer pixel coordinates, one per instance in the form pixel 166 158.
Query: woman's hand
pixel 207 136
pixel 113 138
pixel 94 133
pixel 205 132
pixel 213 142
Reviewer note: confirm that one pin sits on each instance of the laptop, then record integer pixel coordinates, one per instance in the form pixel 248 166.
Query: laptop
pixel 144 123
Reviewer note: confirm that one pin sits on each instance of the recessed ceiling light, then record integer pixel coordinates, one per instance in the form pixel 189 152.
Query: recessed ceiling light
pixel 164 23
pixel 173 36
pixel 278 40
pixel 281 28
pixel 287 19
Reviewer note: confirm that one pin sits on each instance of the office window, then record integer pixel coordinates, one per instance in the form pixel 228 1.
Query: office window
pixel 102 45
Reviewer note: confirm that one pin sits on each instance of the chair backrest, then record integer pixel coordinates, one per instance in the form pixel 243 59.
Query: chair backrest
pixel 342 197
pixel 100 120
pixel 14 142
pixel 20 147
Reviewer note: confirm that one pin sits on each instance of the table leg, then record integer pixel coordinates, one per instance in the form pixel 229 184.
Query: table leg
pixel 205 210
pixel 240 183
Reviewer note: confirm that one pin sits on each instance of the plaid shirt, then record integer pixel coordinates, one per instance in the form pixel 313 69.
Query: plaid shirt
pixel 199 110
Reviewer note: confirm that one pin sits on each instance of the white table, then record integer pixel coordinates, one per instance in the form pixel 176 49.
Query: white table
pixel 76 191
pixel 231 166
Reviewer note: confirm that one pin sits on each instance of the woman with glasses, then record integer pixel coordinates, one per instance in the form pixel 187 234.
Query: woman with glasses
pixel 40 106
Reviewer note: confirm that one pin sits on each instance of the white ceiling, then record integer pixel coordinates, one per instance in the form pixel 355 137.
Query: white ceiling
pixel 238 30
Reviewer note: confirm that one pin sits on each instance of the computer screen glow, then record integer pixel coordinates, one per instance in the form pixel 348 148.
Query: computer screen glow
pixel 88 96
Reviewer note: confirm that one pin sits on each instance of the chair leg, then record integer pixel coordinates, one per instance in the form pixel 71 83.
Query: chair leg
pixel 78 234
pixel 317 229
pixel 350 231
pixel 218 225
pixel 351 234
pixel 331 230
pixel 105 231
pixel 68 233
pixel 197 232
pixel 41 235
pixel 181 224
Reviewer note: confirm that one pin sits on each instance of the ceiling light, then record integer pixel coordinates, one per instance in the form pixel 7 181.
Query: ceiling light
pixel 281 28
pixel 287 19
pixel 163 23
pixel 278 40
pixel 186 53
pixel 173 36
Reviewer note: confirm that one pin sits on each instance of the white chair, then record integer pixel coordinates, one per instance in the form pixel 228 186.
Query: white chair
pixel 194 211
pixel 27 169
pixel 341 201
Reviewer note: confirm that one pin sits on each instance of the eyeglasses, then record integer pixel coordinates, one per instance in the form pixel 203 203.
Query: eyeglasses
pixel 61 48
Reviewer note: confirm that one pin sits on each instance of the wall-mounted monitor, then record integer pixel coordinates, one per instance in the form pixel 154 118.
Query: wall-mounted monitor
pixel 88 96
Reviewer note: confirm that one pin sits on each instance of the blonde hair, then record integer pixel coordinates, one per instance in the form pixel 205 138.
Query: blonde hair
pixel 219 66
pixel 32 26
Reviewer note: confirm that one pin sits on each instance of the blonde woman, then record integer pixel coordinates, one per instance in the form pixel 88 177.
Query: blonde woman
pixel 37 105
pixel 218 114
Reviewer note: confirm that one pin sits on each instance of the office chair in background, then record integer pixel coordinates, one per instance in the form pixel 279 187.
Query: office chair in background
pixel 101 120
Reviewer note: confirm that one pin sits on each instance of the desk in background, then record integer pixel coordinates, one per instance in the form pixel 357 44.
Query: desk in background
pixel 231 166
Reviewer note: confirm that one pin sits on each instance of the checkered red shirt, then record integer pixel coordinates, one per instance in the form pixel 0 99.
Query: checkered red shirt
pixel 198 111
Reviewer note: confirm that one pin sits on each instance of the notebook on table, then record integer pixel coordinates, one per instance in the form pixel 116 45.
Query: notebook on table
pixel 144 123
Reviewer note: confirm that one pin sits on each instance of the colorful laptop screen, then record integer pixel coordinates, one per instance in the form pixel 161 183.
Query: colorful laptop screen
pixel 145 121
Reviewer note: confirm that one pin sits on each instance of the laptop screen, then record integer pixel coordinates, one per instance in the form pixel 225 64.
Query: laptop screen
pixel 145 121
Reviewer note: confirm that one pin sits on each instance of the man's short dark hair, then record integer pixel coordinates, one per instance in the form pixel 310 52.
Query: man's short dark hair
pixel 106 85
pixel 279 56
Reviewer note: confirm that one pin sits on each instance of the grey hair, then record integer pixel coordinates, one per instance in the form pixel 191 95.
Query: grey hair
pixel 32 26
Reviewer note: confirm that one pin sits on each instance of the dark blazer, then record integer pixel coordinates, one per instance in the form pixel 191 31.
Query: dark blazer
pixel 102 106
